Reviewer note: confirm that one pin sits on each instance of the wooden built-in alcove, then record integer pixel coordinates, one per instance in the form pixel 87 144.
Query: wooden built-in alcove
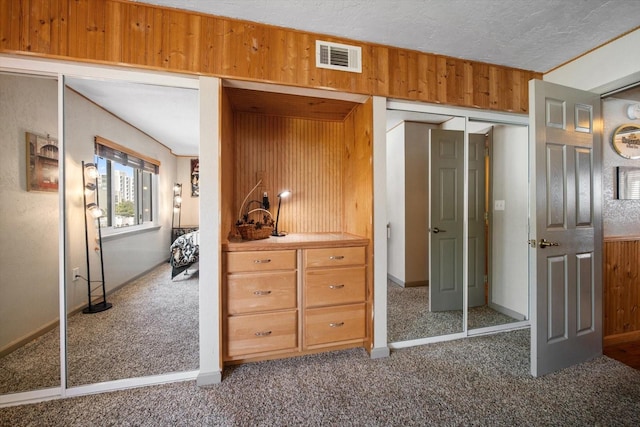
pixel 320 149
pixel 621 305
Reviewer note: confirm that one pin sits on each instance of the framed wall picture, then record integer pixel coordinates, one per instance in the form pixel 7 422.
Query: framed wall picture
pixel 195 177
pixel 42 163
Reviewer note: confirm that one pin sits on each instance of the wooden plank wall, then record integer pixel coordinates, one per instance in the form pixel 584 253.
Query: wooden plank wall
pixel 227 160
pixel 121 32
pixel 621 289
pixel 358 190
pixel 304 156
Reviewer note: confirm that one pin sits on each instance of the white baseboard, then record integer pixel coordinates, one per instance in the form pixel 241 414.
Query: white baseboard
pixel 209 378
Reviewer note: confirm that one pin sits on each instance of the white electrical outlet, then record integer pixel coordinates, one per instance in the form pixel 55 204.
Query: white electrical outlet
pixel 75 273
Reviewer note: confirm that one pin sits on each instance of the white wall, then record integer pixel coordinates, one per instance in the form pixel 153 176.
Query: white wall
pixel 28 220
pixel 128 255
pixel 395 203
pixel 619 217
pixel 408 202
pixel 189 215
pixel 610 67
pixel 509 255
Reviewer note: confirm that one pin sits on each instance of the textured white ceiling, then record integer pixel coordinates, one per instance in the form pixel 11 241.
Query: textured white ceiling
pixel 536 35
pixel 167 114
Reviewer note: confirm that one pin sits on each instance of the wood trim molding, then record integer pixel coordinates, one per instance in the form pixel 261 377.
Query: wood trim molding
pixel 621 238
pixel 621 338
pixel 116 146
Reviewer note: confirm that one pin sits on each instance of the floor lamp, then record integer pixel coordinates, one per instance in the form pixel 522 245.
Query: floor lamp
pixel 177 209
pixel 90 186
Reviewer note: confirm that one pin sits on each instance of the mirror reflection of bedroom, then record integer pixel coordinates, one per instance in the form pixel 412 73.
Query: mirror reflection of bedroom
pixel 130 193
pixel 425 202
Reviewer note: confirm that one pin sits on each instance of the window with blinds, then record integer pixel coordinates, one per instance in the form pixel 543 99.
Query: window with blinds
pixel 127 185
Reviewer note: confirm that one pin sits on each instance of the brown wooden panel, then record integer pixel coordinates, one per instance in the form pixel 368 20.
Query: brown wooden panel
pixel 358 171
pixel 114 30
pixel 39 26
pixel 23 27
pixel 481 86
pixel 209 31
pixel 96 30
pixel 134 18
pixel 621 284
pixel 8 18
pixel 123 32
pixel 227 162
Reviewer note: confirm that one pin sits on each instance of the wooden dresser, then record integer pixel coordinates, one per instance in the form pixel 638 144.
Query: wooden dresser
pixel 293 295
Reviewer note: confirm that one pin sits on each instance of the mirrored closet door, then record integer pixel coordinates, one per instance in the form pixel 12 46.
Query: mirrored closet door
pixel 425 177
pixel 498 224
pixel 29 220
pixel 149 325
pixel 455 184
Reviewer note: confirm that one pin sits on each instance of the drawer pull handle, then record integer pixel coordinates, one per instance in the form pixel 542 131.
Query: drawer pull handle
pixel 336 324
pixel 336 286
pixel 261 293
pixel 263 333
pixel 336 257
pixel 262 261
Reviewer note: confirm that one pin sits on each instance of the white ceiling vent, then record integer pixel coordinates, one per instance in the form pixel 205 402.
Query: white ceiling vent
pixel 336 56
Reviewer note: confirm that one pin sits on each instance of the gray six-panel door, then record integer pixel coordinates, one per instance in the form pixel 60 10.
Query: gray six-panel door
pixel 446 220
pixel 566 231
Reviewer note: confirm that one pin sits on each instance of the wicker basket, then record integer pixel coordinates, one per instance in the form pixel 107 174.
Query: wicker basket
pixel 250 232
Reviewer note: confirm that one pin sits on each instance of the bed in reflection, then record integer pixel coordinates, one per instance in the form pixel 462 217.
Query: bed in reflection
pixel 185 251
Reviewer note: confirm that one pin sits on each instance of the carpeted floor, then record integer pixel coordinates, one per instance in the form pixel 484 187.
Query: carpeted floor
pixel 409 316
pixel 151 329
pixel 481 381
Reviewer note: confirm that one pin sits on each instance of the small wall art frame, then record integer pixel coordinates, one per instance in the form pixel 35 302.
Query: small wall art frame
pixel 42 163
pixel 626 141
pixel 195 177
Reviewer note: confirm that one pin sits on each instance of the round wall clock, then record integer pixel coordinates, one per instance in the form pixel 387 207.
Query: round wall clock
pixel 626 141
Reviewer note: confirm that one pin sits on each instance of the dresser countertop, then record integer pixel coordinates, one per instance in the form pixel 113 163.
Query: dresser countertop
pixel 296 241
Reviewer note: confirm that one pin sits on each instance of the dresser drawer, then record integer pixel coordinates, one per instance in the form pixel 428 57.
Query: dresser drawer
pixel 334 286
pixel 334 257
pixel 253 292
pixel 334 324
pixel 260 261
pixel 260 333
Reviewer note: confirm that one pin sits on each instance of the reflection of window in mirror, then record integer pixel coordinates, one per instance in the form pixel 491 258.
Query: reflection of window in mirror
pixel 628 179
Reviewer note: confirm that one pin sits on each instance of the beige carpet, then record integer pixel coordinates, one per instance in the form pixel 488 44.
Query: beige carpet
pixel 409 316
pixel 151 329
pixel 480 381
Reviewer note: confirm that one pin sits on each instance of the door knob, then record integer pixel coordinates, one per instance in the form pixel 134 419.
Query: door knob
pixel 437 230
pixel 544 243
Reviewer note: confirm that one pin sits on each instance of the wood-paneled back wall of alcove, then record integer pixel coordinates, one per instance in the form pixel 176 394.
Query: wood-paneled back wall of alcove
pixel 122 32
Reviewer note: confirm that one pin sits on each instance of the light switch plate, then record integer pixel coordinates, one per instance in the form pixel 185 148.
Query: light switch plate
pixel 498 205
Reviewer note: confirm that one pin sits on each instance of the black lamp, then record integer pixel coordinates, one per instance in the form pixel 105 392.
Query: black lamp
pixel 282 194
pixel 90 184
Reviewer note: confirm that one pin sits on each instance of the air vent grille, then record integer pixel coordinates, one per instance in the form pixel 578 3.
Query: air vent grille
pixel 337 56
